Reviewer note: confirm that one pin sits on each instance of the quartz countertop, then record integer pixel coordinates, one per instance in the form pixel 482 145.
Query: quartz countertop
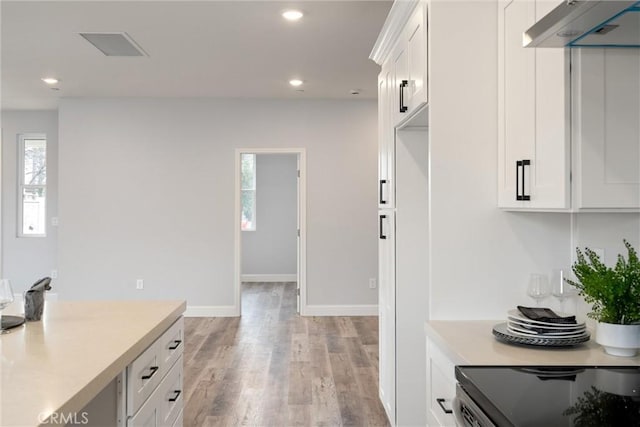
pixel 58 364
pixel 471 342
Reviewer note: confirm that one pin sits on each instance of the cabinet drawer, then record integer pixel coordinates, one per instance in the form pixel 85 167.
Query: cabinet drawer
pixel 164 406
pixel 146 372
pixel 171 346
pixel 441 387
pixel 143 376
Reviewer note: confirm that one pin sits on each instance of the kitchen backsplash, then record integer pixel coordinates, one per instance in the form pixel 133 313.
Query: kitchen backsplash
pixel 605 232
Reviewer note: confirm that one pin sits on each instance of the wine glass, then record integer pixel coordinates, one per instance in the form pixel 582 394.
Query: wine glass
pixel 538 287
pixel 560 288
pixel 6 296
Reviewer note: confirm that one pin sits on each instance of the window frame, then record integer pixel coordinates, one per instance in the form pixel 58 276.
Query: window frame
pixel 22 186
pixel 253 189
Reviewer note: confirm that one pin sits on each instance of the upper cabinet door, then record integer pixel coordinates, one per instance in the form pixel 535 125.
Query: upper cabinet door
pixel 400 83
pixel 533 135
pixel 606 128
pixel 516 101
pixel 416 33
pixel 386 153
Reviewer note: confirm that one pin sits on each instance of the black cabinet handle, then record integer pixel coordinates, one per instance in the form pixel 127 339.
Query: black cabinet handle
pixel 175 397
pixel 382 182
pixel 382 236
pixel 441 403
pixel 153 370
pixel 403 84
pixel 518 166
pixel 176 344
pixel 520 195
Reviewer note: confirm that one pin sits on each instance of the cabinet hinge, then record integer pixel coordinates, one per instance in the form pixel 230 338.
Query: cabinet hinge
pixel 298 173
pixel 298 232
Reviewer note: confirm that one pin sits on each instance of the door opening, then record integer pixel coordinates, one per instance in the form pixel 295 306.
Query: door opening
pixel 270 220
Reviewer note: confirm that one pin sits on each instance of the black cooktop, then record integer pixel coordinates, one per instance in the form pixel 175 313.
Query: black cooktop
pixel 530 396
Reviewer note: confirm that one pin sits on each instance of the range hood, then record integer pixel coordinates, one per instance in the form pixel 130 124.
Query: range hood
pixel 587 23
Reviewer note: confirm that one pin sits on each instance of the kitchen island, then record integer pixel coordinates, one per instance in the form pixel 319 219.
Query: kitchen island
pixel 53 368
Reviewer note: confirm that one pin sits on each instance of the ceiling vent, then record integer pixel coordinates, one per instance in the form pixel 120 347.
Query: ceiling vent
pixel 114 44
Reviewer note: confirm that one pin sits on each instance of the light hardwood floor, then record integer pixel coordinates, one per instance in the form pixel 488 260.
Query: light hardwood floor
pixel 272 367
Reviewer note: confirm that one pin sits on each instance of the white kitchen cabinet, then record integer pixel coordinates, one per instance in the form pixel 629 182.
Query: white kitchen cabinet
pixel 401 50
pixel 408 61
pixel 606 128
pixel 441 387
pixel 568 137
pixel 154 381
pixel 386 179
pixel 533 114
pixel 387 312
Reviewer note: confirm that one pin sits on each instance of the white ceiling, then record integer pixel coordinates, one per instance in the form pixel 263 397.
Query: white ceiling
pixel 196 49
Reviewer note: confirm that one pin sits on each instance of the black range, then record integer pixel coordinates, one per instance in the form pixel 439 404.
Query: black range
pixel 549 396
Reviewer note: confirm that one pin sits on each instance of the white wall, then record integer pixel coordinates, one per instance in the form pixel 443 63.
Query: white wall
pixel 481 257
pixel 147 191
pixel 271 249
pixel 27 259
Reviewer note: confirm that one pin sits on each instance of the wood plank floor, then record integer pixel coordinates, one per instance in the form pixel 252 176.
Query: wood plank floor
pixel 272 367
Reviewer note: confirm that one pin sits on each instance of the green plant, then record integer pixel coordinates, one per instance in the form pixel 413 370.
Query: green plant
pixel 614 292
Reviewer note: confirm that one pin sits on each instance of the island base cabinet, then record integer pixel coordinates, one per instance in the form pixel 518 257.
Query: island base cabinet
pixel 441 387
pixel 147 393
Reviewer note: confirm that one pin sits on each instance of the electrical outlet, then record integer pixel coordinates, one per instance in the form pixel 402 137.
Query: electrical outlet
pixel 54 221
pixel 54 274
pixel 139 284
pixel 372 283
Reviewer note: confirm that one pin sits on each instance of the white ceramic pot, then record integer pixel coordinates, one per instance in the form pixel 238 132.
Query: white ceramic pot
pixel 618 340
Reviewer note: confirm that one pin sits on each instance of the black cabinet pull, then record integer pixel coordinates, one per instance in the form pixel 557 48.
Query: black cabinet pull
pixel 176 344
pixel 441 403
pixel 175 397
pixel 382 236
pixel 518 166
pixel 153 370
pixel 520 195
pixel 382 182
pixel 403 84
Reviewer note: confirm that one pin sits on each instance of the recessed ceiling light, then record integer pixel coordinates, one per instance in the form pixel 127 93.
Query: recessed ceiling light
pixel 295 82
pixel 292 15
pixel 50 80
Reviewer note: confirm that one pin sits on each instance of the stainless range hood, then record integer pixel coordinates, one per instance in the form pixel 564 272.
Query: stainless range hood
pixel 587 23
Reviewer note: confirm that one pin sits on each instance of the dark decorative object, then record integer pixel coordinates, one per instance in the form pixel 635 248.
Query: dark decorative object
pixel 34 299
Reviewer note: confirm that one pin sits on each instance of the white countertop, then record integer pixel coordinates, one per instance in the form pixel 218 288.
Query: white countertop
pixel 471 342
pixel 60 363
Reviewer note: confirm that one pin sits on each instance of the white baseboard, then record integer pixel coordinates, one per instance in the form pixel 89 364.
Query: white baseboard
pixel 210 311
pixel 341 310
pixel 269 277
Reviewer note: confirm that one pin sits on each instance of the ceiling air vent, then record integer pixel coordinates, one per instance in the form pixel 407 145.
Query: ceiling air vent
pixel 114 44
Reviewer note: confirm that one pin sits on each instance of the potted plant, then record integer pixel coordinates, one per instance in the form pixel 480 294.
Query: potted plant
pixel 615 295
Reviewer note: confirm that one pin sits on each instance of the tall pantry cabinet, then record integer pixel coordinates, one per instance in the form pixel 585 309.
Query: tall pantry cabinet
pixel 401 50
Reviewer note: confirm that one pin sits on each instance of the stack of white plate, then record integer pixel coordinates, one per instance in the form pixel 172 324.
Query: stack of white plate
pixel 519 325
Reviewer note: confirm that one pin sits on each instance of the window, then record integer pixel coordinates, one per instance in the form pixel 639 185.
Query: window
pixel 248 192
pixel 32 191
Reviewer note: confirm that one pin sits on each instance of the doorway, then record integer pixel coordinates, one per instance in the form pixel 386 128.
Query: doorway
pixel 248 211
